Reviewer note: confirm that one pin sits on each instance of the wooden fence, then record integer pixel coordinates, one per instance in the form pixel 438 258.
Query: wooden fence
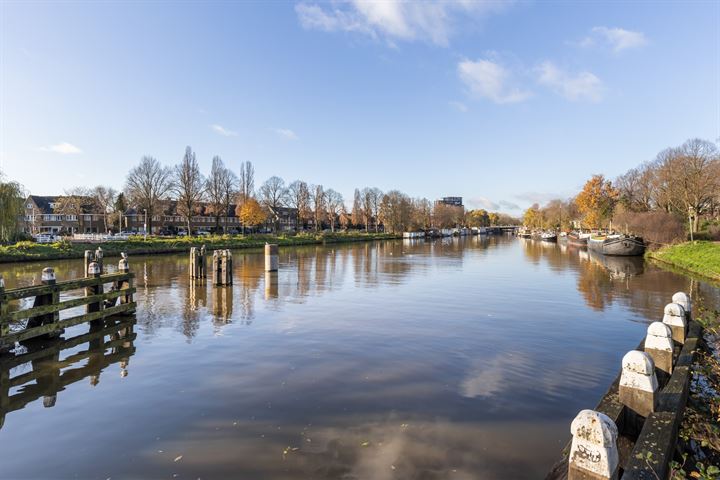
pixel 50 298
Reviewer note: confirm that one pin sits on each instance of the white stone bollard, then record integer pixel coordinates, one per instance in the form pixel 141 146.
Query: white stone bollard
pixel 123 265
pixel 272 259
pixel 594 452
pixel 684 299
pixel 659 345
pixel 638 383
pixel 674 317
pixel 48 275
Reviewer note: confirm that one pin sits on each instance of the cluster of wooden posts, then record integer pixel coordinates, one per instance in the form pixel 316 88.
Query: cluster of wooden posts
pixel 43 318
pixel 222 264
pixel 632 433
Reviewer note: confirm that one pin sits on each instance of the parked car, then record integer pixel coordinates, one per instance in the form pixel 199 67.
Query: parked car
pixel 202 233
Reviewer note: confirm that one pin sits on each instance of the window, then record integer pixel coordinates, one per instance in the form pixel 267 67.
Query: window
pixel 71 218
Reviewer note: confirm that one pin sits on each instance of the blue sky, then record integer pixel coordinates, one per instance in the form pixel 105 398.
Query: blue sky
pixel 504 103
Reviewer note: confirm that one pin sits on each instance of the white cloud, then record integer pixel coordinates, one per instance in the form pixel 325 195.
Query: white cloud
pixel 579 86
pixel 488 79
pixel 396 19
pixel 64 148
pixel 459 106
pixel 616 38
pixel 287 133
pixel 482 202
pixel 223 131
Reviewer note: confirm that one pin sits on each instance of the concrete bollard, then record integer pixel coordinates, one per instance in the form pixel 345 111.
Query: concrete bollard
pixel 684 299
pixel 638 383
pixel 659 345
pixel 594 452
pixel 272 260
pixel 271 285
pixel 674 317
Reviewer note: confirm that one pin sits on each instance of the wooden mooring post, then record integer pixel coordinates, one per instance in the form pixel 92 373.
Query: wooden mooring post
pixel 222 268
pixel 43 318
pixel 198 266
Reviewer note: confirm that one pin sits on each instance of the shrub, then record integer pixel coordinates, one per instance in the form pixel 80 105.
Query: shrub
pixel 655 227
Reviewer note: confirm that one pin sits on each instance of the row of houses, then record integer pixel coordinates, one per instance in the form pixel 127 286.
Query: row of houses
pixel 43 215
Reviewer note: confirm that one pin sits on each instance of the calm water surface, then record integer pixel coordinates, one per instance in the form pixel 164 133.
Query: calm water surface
pixel 452 359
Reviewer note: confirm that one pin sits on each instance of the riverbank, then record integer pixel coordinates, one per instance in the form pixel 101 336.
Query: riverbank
pixel 31 251
pixel 699 435
pixel 701 258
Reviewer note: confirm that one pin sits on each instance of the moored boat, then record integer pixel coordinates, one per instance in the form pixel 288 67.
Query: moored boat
pixel 578 239
pixel 621 245
pixel 548 237
pixel 524 233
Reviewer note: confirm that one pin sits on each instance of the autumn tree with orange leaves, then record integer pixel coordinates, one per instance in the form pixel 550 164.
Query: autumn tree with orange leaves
pixel 251 213
pixel 596 201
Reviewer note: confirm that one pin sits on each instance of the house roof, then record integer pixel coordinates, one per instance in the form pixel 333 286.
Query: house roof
pixel 43 202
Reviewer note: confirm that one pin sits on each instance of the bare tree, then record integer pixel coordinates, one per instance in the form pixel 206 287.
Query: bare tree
pixel 371 197
pixel 272 196
pixel 317 204
pixel 246 182
pixel 220 187
pixel 105 200
pixel 229 188
pixel 147 184
pixel 298 197
pixel 357 210
pixel 334 204
pixel 395 211
pixel 690 175
pixel 189 186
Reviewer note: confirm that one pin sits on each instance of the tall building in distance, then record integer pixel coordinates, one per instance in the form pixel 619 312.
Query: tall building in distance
pixel 453 201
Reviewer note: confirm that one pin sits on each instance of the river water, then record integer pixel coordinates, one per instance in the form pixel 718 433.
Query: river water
pixel 446 359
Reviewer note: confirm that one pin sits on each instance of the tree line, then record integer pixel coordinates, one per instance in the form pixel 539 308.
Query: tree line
pixel 150 185
pixel 662 199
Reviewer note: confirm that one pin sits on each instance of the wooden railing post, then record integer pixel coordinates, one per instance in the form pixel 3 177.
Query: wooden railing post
pixel 88 258
pixel 52 298
pixel 93 271
pixel 124 267
pixel 99 258
pixel 4 326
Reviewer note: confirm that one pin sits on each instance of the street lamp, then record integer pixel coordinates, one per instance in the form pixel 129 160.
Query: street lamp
pixel 145 225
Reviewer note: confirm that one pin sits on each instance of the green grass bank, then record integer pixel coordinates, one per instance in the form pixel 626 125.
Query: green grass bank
pixel 701 258
pixel 31 251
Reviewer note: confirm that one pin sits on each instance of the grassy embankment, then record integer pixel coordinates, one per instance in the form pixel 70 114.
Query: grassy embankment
pixel 31 251
pixel 698 453
pixel 701 258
